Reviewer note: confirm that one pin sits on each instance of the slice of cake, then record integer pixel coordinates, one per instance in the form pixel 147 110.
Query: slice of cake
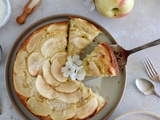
pixel 81 34
pixel 101 62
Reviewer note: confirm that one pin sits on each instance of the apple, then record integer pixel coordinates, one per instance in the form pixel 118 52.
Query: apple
pixel 114 8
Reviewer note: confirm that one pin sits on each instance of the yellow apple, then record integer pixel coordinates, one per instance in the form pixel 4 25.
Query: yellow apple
pixel 114 8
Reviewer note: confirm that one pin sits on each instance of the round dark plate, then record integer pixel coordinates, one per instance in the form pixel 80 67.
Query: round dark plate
pixel 110 88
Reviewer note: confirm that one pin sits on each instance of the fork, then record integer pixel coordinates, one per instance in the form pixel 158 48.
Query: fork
pixel 0 107
pixel 151 70
pixel 1 53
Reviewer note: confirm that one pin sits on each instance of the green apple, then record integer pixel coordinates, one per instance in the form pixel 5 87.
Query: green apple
pixel 114 8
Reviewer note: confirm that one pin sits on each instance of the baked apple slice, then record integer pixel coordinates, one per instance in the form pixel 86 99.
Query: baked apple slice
pixel 38 107
pixel 35 62
pixel 52 45
pixel 56 71
pixel 87 109
pixel 68 87
pixel 48 75
pixel 64 114
pixel 70 97
pixel 21 86
pixel 20 63
pixel 61 56
pixel 44 89
pixel 81 34
pixel 34 39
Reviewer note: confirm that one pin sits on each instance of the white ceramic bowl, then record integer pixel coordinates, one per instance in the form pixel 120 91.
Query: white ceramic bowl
pixel 7 14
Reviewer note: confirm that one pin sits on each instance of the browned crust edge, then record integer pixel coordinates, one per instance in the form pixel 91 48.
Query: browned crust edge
pixel 24 100
pixel 26 41
pixel 94 113
pixel 113 58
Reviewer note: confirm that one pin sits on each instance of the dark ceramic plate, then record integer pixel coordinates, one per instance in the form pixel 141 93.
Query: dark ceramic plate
pixel 110 88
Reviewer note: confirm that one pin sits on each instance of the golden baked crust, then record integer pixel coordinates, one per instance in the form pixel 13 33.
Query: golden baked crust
pixel 39 82
pixel 101 62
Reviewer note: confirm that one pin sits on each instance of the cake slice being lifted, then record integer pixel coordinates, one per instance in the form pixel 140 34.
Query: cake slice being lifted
pixel 81 34
pixel 101 62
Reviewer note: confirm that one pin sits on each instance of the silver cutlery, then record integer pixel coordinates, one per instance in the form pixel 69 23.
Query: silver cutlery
pixel 1 53
pixel 146 87
pixel 0 107
pixel 151 70
pixel 122 54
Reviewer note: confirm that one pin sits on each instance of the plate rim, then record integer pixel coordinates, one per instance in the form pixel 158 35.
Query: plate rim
pixel 32 26
pixel 137 111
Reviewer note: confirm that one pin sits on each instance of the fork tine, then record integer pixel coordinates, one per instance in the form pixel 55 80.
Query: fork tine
pixel 147 68
pixel 153 69
pixel 150 68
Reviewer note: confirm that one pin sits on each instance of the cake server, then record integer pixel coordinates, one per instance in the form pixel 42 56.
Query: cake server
pixel 122 54
pixel 1 53
pixel 0 107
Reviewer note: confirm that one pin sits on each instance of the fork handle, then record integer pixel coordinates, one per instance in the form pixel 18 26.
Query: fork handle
pixel 156 94
pixel 150 44
pixel 1 53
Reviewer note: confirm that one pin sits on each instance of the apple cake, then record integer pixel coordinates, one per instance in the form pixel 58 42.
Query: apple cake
pixel 38 78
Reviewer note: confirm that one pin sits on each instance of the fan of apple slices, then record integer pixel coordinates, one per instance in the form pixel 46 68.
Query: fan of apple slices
pixel 38 78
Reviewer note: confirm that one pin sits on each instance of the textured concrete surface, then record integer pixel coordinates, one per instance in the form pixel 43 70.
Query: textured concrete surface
pixel 141 26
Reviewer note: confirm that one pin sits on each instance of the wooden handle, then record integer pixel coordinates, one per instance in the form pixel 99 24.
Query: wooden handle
pixel 28 9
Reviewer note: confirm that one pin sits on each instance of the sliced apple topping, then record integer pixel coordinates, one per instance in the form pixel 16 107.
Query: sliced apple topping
pixel 66 114
pixel 61 56
pixel 79 42
pixel 48 75
pixel 70 97
pixel 38 107
pixel 93 68
pixel 68 87
pixel 34 39
pixel 86 92
pixel 20 63
pixel 35 62
pixel 56 71
pixel 87 109
pixel 81 34
pixel 49 47
pixel 84 28
pixel 101 102
pixel 54 27
pixel 44 89
pixel 21 86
